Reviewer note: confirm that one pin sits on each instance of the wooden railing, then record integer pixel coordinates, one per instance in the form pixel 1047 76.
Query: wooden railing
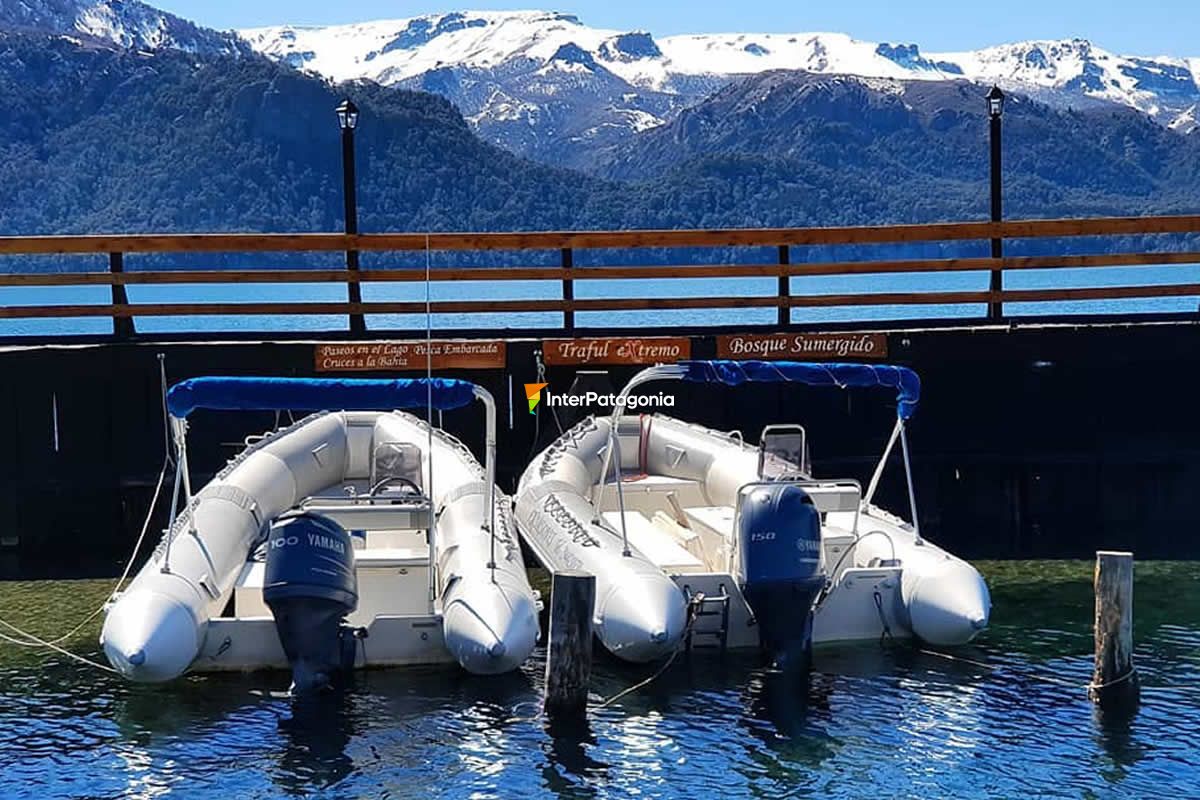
pixel 784 267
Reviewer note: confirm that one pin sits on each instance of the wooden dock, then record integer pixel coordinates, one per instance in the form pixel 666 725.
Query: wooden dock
pixel 1044 436
pixel 1108 239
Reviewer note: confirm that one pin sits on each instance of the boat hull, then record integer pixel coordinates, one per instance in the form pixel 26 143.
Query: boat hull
pixel 883 579
pixel 481 614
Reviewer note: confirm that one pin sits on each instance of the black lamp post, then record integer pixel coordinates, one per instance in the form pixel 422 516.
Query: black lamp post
pixel 995 106
pixel 347 115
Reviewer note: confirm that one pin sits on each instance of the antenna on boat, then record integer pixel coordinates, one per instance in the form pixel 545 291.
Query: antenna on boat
pixel 162 381
pixel 433 580
pixel 168 430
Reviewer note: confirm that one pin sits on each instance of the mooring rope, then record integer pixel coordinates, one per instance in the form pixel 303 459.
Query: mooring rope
pixel 52 646
pixel 31 641
pixel 1090 686
pixel 692 612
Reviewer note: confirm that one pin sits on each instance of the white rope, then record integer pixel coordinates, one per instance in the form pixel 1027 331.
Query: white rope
pixel 35 642
pixel 639 684
pixel 692 611
pixel 1093 686
pixel 56 648
pixel 1033 675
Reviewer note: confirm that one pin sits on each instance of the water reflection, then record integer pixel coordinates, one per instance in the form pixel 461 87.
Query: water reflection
pixel 1115 734
pixel 316 734
pixel 570 771
pixel 903 723
pixel 787 714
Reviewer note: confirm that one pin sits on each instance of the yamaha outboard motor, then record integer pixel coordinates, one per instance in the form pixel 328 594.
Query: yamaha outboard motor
pixel 779 567
pixel 310 587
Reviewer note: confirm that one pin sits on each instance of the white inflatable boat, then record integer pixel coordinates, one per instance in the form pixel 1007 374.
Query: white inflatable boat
pixel 763 553
pixel 349 539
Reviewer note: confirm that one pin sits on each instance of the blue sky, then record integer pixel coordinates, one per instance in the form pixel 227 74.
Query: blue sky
pixel 1152 27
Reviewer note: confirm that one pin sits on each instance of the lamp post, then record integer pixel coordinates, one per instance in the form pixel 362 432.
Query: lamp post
pixel 995 107
pixel 347 116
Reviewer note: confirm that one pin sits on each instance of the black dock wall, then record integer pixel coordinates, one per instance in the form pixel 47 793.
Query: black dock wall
pixel 1035 442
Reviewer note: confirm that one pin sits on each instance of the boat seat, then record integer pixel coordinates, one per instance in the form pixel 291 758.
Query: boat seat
pixel 715 519
pixel 834 497
pixel 646 493
pixel 385 557
pixel 687 538
pixel 654 543
pixel 714 526
pixel 382 539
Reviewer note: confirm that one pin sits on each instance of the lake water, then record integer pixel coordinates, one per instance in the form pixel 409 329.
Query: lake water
pixel 631 288
pixel 874 722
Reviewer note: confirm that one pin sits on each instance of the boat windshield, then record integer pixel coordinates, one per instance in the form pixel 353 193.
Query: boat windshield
pixel 783 453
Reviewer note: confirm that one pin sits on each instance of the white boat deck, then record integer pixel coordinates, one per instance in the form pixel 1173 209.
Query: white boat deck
pixel 695 552
pixel 391 558
pixel 649 540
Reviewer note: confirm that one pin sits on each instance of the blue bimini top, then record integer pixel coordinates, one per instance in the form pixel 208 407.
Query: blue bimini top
pixel 316 394
pixel 734 373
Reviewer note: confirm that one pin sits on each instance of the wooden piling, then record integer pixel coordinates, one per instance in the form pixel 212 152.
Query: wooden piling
pixel 1114 681
pixel 569 659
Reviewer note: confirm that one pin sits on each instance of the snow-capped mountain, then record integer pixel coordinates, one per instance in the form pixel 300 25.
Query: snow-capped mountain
pixel 537 81
pixel 126 23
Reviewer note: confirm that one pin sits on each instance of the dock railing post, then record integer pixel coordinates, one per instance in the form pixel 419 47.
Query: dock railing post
pixel 1114 681
pixel 996 279
pixel 568 290
pixel 785 286
pixel 123 327
pixel 358 323
pixel 347 114
pixel 569 656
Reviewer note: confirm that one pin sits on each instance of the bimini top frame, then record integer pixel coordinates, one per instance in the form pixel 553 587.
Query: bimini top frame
pixel 903 380
pixel 328 394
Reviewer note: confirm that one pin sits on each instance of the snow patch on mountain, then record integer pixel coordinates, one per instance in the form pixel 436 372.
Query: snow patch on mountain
pixel 405 48
pixel 126 23
pixel 545 85
pixel 392 51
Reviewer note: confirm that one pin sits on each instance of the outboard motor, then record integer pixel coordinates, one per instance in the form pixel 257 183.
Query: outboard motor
pixel 779 567
pixel 310 587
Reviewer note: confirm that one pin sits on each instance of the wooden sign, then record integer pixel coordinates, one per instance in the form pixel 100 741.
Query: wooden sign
pixel 818 346
pixel 387 356
pixel 633 350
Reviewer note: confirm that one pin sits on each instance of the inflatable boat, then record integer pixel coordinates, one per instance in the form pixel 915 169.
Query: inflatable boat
pixel 697 538
pixel 349 539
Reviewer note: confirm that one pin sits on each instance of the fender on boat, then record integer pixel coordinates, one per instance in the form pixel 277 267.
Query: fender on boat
pixel 152 634
pixel 640 614
pixel 947 599
pixel 489 613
